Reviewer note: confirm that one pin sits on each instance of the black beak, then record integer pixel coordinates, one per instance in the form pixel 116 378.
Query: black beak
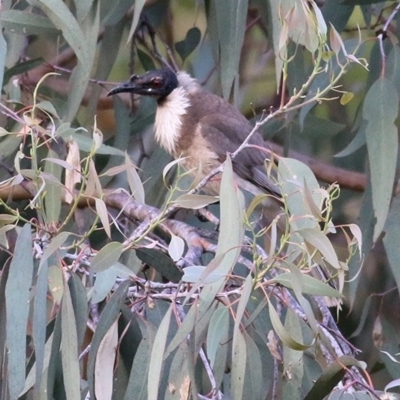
pixel 128 86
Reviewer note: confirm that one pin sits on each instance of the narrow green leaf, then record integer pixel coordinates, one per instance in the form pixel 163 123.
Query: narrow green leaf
pixel 281 331
pixel 139 4
pixel 27 23
pixel 21 67
pixel 108 316
pixel 69 347
pixel 32 378
pixel 161 262
pixel 102 212
pixel 199 274
pixel 179 377
pixel 310 285
pixel 380 111
pixel 293 360
pixel 80 304
pixel 3 53
pixel 217 332
pixel 195 201
pixel 318 240
pixel 183 331
pixel 86 143
pixel 113 11
pixel 107 256
pixel 104 282
pixel 293 174
pixel 231 25
pixel 104 366
pixel 156 359
pixel 244 298
pixel 239 357
pixel 54 246
pixel 55 280
pixel 254 377
pixel 17 308
pixel 39 322
pixel 137 384
pixel 135 183
pixel 52 200
pixel 79 79
pixel 63 19
pixel 391 240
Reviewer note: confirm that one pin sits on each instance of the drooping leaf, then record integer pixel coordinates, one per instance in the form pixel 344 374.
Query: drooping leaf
pixel 69 347
pixel 108 316
pixel 310 285
pixel 39 322
pixel 231 22
pixel 107 256
pixel 280 330
pixel 156 359
pixel 380 111
pixel 139 4
pixel 102 212
pixel 17 307
pixel 104 366
pixel 217 332
pixel 390 240
pixel 239 357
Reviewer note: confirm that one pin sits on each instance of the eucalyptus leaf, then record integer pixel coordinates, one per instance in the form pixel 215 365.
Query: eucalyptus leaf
pixel 185 47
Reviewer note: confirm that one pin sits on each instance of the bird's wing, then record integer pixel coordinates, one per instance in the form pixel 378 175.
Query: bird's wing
pixel 226 133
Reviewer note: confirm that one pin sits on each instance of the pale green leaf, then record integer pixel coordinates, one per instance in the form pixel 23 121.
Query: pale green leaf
pixel 102 212
pixel 380 111
pixel 319 240
pixel 195 201
pixel 17 296
pixel 107 256
pixel 25 23
pixel 176 247
pixel 136 17
pixel 55 281
pixel 231 26
pixel 217 332
pixel 134 181
pixel 108 316
pixel 104 366
pixel 157 354
pixel 69 348
pixel 54 246
pixel 239 357
pixel 309 285
pixel 281 331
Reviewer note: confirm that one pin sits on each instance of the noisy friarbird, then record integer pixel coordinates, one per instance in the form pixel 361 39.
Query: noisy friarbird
pixel 201 128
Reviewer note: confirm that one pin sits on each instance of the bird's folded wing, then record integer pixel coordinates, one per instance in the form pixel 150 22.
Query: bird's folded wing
pixel 225 135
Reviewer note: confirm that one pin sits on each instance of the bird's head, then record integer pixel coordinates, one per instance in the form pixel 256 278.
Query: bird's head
pixel 158 83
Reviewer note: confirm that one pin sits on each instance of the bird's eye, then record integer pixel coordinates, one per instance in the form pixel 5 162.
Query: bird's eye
pixel 157 82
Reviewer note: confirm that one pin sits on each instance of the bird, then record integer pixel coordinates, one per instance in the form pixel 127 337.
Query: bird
pixel 201 128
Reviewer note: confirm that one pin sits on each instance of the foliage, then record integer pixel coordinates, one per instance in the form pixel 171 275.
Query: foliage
pixel 112 289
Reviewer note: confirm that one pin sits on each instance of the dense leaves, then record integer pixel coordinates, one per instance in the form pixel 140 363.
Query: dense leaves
pixel 117 283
